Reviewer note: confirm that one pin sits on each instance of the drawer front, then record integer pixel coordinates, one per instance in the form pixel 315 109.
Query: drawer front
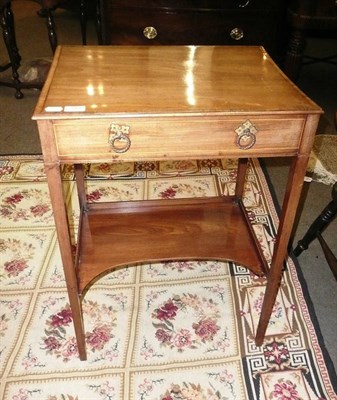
pixel 176 138
pixel 154 27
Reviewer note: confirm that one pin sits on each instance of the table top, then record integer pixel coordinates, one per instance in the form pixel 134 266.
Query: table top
pixel 94 81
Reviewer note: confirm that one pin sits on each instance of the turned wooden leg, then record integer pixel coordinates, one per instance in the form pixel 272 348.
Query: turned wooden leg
pixel 83 20
pixel 11 33
pixel 51 29
pixel 294 54
pixel 8 33
pixel 99 22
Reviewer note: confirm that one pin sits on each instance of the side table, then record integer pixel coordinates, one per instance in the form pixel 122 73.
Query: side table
pixel 134 103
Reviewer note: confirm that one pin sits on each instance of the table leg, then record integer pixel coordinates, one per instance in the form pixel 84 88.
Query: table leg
pixel 53 172
pixel 290 203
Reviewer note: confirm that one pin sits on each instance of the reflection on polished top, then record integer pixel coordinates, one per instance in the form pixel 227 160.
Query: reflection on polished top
pixel 166 80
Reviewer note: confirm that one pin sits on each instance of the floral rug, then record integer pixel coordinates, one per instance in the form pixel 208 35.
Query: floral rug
pixel 165 331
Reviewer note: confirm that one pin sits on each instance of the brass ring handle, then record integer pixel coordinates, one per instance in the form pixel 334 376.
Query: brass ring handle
pixel 236 33
pixel 150 32
pixel 246 135
pixel 120 143
pixel 119 139
pixel 246 139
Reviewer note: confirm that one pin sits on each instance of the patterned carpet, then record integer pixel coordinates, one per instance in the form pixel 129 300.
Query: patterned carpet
pixel 166 331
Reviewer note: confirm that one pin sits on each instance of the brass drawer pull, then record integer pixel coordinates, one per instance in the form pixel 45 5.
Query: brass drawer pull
pixel 236 33
pixel 246 135
pixel 119 139
pixel 150 32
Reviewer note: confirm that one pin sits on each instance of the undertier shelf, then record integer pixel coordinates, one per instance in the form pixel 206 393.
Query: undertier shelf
pixel 128 233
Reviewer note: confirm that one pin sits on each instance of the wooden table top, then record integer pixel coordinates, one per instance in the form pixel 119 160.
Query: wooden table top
pixel 94 81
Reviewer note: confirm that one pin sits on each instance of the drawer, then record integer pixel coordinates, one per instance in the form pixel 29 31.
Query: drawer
pixel 176 138
pixel 153 26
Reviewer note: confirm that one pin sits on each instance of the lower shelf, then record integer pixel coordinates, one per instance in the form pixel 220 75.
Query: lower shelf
pixel 127 233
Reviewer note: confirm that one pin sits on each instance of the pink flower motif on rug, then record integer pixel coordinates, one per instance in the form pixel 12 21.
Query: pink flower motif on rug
pixel 93 196
pixel 39 210
pixel 98 338
pixel 167 311
pixel 285 391
pixel 277 308
pixel 188 391
pixel 184 390
pixel 169 193
pixel 6 170
pixel 203 329
pixel 19 258
pixel 16 207
pixel 60 343
pixel 24 394
pixel 14 267
pixel 63 318
pixel 104 191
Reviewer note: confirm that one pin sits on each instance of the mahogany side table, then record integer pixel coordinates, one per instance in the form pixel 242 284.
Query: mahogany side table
pixel 134 103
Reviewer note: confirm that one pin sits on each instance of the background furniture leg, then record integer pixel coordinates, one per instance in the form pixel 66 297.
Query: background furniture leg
pixel 81 8
pixel 294 55
pixel 8 32
pixel 83 20
pixel 319 224
pixel 51 29
pixel 330 257
pixel 98 21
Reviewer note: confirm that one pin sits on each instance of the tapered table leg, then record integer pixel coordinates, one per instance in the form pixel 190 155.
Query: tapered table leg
pixel 54 179
pixel 291 200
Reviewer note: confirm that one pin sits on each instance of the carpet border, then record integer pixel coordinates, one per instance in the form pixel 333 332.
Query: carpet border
pixel 38 156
